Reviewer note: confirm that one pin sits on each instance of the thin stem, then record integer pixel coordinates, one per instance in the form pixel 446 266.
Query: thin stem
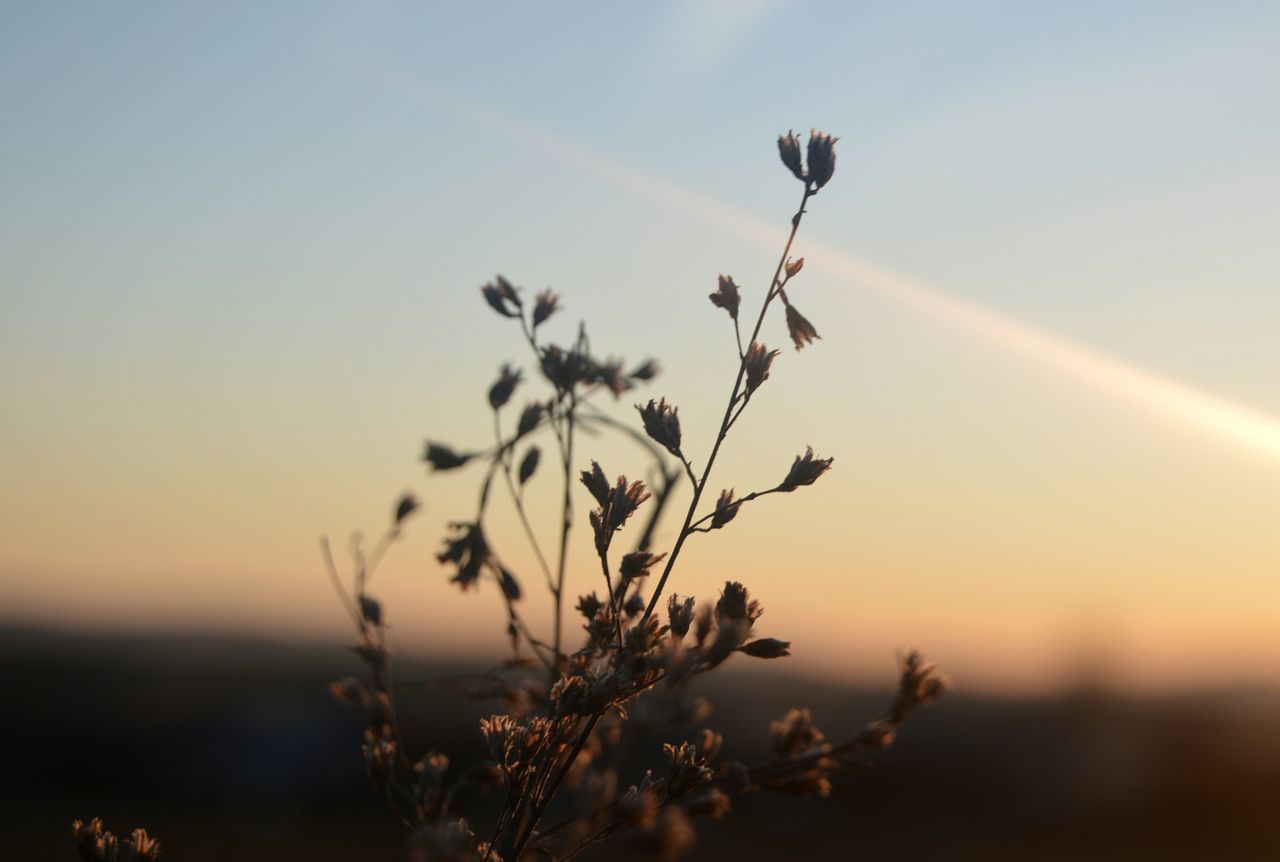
pixel 517 500
pixel 701 485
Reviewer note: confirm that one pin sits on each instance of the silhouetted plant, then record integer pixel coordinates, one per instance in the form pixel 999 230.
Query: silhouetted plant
pixel 573 712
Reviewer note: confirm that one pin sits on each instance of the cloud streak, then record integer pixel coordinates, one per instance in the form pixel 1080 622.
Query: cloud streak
pixel 1219 418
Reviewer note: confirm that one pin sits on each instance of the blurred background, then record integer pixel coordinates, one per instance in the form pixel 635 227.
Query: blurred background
pixel 240 247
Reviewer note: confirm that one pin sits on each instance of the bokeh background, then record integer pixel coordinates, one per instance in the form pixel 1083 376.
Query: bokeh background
pixel 240 247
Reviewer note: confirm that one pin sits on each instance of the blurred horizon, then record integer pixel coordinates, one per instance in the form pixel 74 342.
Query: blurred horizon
pixel 241 250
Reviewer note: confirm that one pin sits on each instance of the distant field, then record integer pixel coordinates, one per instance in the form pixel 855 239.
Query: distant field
pixel 229 749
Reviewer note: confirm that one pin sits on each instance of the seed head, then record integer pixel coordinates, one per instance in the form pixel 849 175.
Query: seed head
pixel 545 304
pixel 529 418
pixel 529 464
pixel 766 648
pixel 726 509
pixel 442 457
pixel 789 150
pixel 794 266
pixel 595 482
pixel 407 506
pixel 646 370
pixel 679 615
pixel 822 158
pixel 662 424
pixel 805 470
pixel 800 329
pixel 736 604
pixel 500 392
pixel 727 296
pixel 759 360
pixel 637 564
pixel 502 297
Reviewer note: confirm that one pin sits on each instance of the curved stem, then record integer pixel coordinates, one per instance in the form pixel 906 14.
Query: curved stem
pixel 701 484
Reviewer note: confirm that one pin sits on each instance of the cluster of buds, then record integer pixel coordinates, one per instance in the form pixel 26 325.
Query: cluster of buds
pixel 617 502
pixel 805 470
pixel 96 844
pixel 662 424
pixel 821 157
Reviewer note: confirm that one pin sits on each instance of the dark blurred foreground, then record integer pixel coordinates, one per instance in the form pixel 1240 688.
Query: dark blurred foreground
pixel 233 750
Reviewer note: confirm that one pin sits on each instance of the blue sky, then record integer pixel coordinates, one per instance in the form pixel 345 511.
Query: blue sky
pixel 239 247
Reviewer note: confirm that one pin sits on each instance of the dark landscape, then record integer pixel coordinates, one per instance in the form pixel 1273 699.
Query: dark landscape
pixel 231 749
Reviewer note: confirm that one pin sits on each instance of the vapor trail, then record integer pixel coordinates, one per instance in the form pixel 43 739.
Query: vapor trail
pixel 1218 417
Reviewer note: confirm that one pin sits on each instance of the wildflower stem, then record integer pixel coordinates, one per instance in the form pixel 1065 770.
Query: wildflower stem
pixel 701 484
pixel 517 500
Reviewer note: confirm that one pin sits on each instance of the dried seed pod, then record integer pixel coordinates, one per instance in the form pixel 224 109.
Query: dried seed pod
pixel 727 296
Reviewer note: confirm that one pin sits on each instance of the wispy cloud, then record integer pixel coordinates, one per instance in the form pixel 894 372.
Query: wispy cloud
pixel 1161 395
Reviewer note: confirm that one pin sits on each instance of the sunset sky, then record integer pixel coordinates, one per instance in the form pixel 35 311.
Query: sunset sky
pixel 240 248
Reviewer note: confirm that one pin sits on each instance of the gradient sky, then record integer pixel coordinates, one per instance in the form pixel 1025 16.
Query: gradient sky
pixel 239 253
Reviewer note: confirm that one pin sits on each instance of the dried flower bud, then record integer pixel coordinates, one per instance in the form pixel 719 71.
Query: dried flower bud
pixel 145 848
pixel 822 158
pixel 646 370
pixel 727 296
pixel 789 150
pixel 726 509
pixel 799 328
pixel 407 506
pixel 529 418
pixel 596 483
pixel 545 305
pixel 794 266
pixel 736 604
pixel 529 464
pixel 441 457
pixel 679 615
pixel 371 610
pixel 498 294
pixel 589 605
pixel 921 682
pixel 507 581
pixel 805 470
pixel 500 392
pixel 766 648
pixel 759 360
pixel 637 564
pixel 662 424
pixel 795 733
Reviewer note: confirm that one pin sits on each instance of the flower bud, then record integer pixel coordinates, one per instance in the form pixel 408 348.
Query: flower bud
pixel 529 464
pixel 500 392
pixel 789 151
pixel 799 328
pixel 441 457
pixel 545 305
pixel 662 424
pixel 822 158
pixel 759 360
pixel 766 648
pixel 805 470
pixel 727 296
pixel 502 297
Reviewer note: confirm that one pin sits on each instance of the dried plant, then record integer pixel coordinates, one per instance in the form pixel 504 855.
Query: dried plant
pixel 96 844
pixel 578 715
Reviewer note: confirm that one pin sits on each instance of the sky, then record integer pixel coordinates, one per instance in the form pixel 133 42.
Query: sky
pixel 240 247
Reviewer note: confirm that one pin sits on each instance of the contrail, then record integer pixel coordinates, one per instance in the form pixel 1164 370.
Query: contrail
pixel 1211 414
